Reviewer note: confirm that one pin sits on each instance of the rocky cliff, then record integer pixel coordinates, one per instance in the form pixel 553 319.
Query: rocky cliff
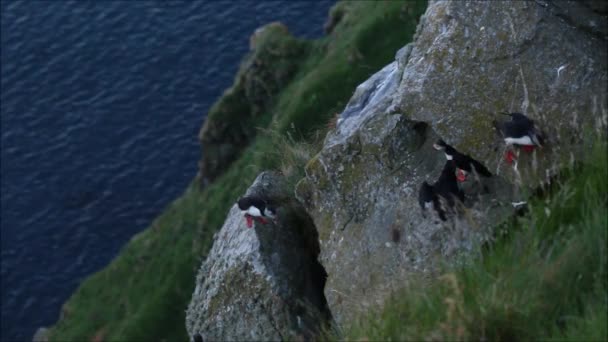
pixel 468 62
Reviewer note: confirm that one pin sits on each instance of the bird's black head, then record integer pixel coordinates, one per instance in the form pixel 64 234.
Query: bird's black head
pixel 516 116
pixel 440 145
pixel 519 117
pixel 449 150
pixel 244 203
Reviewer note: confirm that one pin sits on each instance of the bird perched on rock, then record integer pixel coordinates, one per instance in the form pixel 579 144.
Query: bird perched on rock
pixel 446 188
pixel 464 163
pixel 519 131
pixel 257 208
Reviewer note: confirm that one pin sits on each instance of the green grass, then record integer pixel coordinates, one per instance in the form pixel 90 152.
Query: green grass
pixel 148 282
pixel 546 280
pixel 143 294
pixel 366 40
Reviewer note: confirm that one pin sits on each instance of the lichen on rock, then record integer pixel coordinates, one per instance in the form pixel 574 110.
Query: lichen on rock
pixel 474 59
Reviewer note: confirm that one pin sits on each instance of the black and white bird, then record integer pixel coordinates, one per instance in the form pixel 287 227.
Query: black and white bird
pixel 446 188
pixel 519 131
pixel 257 208
pixel 464 163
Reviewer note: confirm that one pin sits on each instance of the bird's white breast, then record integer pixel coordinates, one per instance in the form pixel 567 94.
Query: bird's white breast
pixel 448 157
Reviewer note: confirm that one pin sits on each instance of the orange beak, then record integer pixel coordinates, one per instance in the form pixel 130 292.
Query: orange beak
pixel 509 156
pixel 249 220
pixel 528 148
pixel 460 175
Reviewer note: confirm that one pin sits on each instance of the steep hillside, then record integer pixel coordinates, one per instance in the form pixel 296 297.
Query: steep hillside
pixel 143 293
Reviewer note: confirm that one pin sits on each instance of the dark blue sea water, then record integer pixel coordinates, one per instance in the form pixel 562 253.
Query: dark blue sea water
pixel 101 107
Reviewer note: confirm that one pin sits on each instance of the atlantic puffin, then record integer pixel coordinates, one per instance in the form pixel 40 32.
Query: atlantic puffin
pixel 445 187
pixel 519 131
pixel 464 163
pixel 257 208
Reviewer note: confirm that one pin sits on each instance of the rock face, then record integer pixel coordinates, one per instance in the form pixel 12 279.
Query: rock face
pixel 471 60
pixel 468 62
pixel 230 124
pixel 263 283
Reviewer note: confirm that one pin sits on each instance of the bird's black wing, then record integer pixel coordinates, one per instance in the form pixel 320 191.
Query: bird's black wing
pixel 480 168
pixel 425 194
pixel 537 136
pixel 462 161
pixel 248 201
pixel 460 195
pixel 439 209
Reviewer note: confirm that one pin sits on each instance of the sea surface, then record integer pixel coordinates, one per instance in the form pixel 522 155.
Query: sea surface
pixel 101 105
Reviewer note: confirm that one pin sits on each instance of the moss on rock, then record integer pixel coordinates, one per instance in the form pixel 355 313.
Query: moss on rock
pixel 229 127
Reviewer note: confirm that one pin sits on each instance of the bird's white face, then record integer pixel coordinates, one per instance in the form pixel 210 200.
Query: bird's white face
pixel 428 205
pixel 525 140
pixel 269 214
pixel 252 211
pixel 438 147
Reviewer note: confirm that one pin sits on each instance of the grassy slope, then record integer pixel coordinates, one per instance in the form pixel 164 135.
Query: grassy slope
pixel 143 293
pixel 546 281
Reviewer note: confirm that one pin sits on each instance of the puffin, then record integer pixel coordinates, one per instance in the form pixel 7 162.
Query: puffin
pixel 464 163
pixel 257 208
pixel 445 187
pixel 519 131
